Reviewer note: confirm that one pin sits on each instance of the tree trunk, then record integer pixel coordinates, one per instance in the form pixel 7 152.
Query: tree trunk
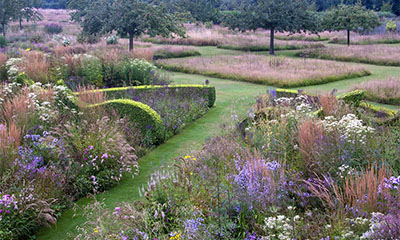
pixel 4 29
pixel 348 37
pixel 130 41
pixel 20 24
pixel 271 44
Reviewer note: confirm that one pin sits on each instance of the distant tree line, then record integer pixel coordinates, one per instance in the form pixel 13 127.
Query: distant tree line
pixel 55 4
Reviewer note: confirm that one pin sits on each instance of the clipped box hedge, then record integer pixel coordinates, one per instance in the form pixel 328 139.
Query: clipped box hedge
pixel 149 122
pixel 129 92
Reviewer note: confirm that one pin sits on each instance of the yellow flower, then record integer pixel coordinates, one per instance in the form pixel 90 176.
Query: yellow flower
pixel 191 173
pixel 194 159
pixel 27 50
pixel 187 156
pixel 96 230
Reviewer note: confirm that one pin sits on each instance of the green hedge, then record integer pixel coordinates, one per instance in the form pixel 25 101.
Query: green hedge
pixel 126 92
pixel 354 97
pixel 165 54
pixel 149 122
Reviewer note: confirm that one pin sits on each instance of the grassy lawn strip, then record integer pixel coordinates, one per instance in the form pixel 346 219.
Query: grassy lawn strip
pixel 378 55
pixel 267 70
pixel 233 98
pixel 386 91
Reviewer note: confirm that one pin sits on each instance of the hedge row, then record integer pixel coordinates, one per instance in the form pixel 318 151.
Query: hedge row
pixel 129 92
pixel 149 121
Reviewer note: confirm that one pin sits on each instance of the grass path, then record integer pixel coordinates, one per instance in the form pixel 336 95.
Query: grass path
pixel 232 98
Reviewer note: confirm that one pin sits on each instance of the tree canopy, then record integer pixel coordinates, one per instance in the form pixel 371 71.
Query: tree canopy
pixel 274 15
pixel 350 18
pixel 127 17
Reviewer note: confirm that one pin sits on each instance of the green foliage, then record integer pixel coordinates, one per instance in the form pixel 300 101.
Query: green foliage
pixel 87 38
pixel 132 18
pixel 274 15
pixel 201 10
pixel 165 54
pixel 23 79
pixel 3 42
pixel 350 18
pixel 91 71
pixel 128 92
pixel 36 38
pixel 387 7
pixel 149 122
pixel 53 28
pixel 391 26
pixel 135 72
pixel 354 98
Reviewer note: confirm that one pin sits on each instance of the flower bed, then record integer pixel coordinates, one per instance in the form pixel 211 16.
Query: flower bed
pixel 289 174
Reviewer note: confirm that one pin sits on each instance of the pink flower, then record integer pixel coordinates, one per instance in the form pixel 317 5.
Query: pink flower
pixel 105 155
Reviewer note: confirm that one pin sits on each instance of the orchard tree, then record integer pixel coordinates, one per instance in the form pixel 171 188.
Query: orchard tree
pixel 27 10
pixel 8 11
pixel 274 15
pixel 350 18
pixel 201 10
pixel 127 17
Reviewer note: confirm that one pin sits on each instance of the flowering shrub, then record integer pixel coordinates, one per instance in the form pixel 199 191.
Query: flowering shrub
pixel 111 40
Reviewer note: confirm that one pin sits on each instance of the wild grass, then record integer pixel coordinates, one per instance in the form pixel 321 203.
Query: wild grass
pixel 35 66
pixel 276 71
pixel 385 91
pixel 370 54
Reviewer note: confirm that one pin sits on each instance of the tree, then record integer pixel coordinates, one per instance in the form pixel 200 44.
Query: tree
pixel 27 10
pixel 201 10
pixel 350 18
pixel 274 15
pixel 8 10
pixel 128 17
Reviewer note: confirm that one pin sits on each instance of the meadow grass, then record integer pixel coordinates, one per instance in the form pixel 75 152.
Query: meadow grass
pixel 370 54
pixel 385 91
pixel 268 70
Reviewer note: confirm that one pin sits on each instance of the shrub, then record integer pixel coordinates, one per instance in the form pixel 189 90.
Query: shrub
pixel 354 98
pixel 136 72
pixel 36 38
pixel 53 28
pixel 3 42
pixel 148 121
pixel 91 70
pixel 111 40
pixel 86 38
